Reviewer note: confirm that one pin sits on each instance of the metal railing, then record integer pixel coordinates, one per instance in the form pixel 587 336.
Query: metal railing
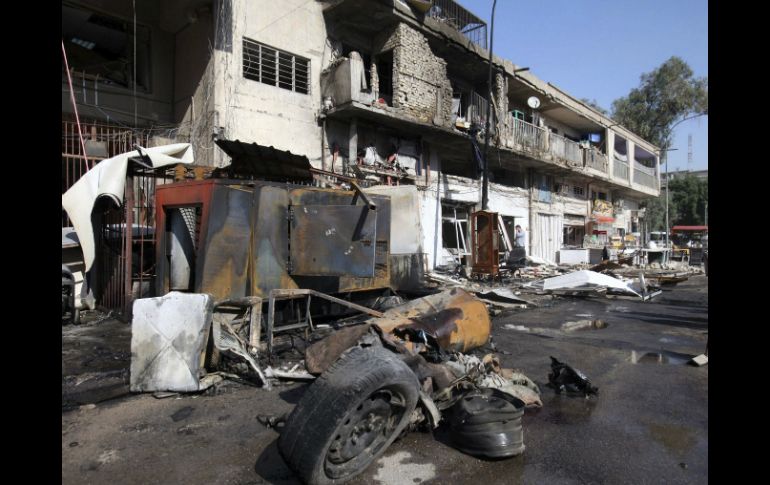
pixel 620 170
pixel 124 236
pixel 565 148
pixel 455 15
pixel 596 160
pixel 476 112
pixel 644 168
pixel 527 135
pixel 643 176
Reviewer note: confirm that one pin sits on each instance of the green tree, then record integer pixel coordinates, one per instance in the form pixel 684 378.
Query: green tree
pixel 689 195
pixel 655 213
pixel 664 97
pixel 595 105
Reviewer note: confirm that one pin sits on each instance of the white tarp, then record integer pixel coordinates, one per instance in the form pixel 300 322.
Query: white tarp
pixel 585 278
pixel 108 178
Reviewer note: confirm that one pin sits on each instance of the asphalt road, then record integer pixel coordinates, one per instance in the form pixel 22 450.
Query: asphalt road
pixel 649 423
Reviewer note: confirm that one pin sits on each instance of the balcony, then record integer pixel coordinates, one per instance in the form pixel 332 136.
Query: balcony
pixel 644 175
pixel 565 149
pixel 597 160
pixel 520 134
pixel 462 20
pixel 620 169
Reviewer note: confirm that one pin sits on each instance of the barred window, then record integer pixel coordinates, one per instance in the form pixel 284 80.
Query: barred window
pixel 578 191
pixel 275 67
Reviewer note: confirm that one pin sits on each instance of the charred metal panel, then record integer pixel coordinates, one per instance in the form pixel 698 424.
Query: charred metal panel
pixel 243 245
pixel 271 243
pixel 333 240
pixel 226 257
pixel 337 284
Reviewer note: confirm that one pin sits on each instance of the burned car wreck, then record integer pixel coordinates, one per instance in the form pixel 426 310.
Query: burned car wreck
pixel 407 370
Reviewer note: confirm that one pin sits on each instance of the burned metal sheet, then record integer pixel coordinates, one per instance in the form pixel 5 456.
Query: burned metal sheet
pixel 333 240
pixel 454 318
pixel 254 160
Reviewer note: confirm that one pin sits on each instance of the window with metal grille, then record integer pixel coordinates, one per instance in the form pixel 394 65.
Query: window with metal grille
pixel 578 191
pixel 275 67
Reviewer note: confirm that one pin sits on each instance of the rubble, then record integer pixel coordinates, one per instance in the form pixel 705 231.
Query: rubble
pixel 583 325
pixel 564 378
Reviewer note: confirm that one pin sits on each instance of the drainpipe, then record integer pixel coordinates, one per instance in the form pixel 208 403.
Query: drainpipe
pixel 438 216
pixel 531 207
pixel 323 144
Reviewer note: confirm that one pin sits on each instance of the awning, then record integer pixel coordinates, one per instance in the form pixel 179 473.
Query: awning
pixel 574 220
pixel 599 218
pixel 690 228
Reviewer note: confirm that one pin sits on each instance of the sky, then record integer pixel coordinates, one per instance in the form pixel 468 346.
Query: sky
pixel 598 49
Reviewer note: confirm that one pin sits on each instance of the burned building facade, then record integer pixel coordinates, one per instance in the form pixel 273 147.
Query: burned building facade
pixel 390 93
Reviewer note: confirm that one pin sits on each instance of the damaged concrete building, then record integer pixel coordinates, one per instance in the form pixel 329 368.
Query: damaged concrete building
pixel 392 94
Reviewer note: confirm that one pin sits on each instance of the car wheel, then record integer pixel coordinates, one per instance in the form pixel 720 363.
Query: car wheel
pixel 349 416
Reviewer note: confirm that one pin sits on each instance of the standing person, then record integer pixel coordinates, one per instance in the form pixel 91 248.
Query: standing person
pixel 520 237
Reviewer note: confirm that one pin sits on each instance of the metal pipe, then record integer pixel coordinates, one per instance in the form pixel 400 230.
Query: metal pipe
pixel 323 145
pixel 485 182
pixel 665 161
pixel 367 201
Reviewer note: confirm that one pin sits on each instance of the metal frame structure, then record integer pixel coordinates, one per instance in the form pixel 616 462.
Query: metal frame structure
pixel 122 231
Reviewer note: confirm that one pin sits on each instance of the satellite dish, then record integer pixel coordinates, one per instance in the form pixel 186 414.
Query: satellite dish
pixel 533 102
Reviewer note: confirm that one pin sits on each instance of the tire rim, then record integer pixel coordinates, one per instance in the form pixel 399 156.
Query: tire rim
pixel 363 432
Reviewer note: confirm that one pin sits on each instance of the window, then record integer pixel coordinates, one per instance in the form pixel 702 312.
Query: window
pixel 275 67
pixel 578 191
pixel 100 48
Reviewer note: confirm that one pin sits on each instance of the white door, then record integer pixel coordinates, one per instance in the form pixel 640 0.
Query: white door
pixel 547 234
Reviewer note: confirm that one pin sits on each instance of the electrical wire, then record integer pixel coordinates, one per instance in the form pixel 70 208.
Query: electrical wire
pixel 74 106
pixel 134 73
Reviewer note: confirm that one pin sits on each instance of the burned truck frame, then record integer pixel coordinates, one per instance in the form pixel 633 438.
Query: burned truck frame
pixel 250 242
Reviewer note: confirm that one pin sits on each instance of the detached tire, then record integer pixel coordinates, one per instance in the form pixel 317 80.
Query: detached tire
pixel 349 416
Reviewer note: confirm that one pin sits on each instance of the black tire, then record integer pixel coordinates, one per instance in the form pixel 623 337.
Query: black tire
pixel 349 416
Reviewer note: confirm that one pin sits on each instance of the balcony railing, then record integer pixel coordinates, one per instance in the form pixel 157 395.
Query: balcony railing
pixel 527 135
pixel 453 14
pixel 620 170
pixel 596 160
pixel 645 176
pixel 477 110
pixel 565 148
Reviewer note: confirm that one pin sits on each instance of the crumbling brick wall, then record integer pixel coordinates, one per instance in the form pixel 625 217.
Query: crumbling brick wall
pixel 501 106
pixel 420 84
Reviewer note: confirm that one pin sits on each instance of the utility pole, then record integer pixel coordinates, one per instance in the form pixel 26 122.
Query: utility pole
pixel 485 180
pixel 669 133
pixel 665 161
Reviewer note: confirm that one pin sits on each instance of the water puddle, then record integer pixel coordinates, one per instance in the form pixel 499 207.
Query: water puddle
pixel 661 357
pixel 677 439
pixel 570 410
